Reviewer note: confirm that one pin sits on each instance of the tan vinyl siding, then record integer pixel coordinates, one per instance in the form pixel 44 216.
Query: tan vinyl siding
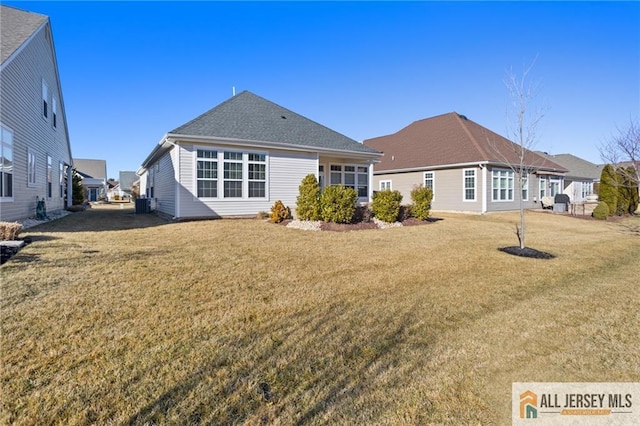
pixel 21 111
pixel 498 206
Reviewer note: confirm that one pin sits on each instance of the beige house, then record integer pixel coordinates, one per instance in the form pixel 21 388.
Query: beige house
pixel 467 166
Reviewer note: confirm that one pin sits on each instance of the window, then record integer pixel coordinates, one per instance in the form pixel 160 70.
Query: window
pixel 543 187
pixel 232 174
pixel 257 175
pixel 587 189
pixel 336 175
pixel 429 181
pixel 502 185
pixel 49 176
pixel 54 110
pixel 352 176
pixel 6 162
pixel 385 185
pixel 31 168
pixel 321 176
pixel 61 180
pixel 45 99
pixel 207 173
pixel 525 188
pixel 469 184
pixel 554 187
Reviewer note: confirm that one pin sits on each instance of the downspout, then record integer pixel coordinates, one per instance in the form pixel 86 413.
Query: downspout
pixel 483 195
pixel 176 178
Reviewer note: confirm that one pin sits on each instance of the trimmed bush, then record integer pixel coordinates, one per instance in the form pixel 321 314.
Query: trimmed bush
pixel 308 201
pixel 362 214
pixel 338 204
pixel 279 212
pixel 601 211
pixel 629 190
pixel 609 188
pixel 386 205
pixel 421 198
pixel 406 212
pixel 9 231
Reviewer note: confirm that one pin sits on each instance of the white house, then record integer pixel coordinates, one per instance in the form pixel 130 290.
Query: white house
pixel 240 157
pixel 35 153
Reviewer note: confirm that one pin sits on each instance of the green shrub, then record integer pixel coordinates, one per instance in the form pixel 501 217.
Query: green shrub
pixel 9 231
pixel 601 211
pixel 279 212
pixel 421 198
pixel 263 215
pixel 629 190
pixel 338 204
pixel 609 188
pixel 386 205
pixel 308 201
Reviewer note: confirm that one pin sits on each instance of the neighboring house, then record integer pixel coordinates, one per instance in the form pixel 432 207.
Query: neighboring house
pixel 122 189
pixel 94 178
pixel 242 156
pixel 35 153
pixel 465 164
pixel 582 177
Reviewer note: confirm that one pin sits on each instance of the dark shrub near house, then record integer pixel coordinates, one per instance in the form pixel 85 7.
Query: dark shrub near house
pixel 386 205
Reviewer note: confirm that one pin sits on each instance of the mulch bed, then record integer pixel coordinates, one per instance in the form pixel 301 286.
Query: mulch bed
pixel 359 226
pixel 527 252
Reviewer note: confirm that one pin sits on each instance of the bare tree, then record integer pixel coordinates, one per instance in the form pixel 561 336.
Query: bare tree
pixel 622 148
pixel 522 123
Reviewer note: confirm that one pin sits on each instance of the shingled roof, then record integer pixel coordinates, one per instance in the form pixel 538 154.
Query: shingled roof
pixel 16 26
pixel 449 139
pixel 578 167
pixel 249 117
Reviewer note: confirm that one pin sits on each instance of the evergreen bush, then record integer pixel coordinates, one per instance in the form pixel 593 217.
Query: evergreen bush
pixel 386 205
pixel 624 194
pixel 421 197
pixel 338 204
pixel 601 211
pixel 279 212
pixel 308 201
pixel 608 192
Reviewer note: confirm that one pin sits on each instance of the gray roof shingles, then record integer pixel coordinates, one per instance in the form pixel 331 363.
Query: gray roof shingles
pixel 578 167
pixel 16 28
pixel 249 117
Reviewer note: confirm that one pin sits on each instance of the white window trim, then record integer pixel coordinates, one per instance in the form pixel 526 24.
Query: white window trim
pixel 49 177
pixel 32 169
pixel 433 183
pixel 464 187
pixel 542 185
pixel 514 189
pixel 383 183
pixel 54 113
pixel 525 186
pixel 11 145
pixel 356 172
pixel 245 174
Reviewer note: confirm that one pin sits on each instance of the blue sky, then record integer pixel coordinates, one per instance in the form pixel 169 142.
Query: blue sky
pixel 133 71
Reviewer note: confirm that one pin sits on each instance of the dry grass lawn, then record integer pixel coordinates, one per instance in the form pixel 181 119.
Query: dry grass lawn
pixel 114 318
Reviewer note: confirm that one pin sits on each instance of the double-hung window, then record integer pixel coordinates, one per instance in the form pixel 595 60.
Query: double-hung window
pixel 429 181
pixel 54 110
pixel 502 185
pixel 587 189
pixel 207 173
pixel 6 162
pixel 336 175
pixel 543 187
pixel 232 174
pixel 257 175
pixel 385 185
pixel 49 176
pixel 469 181
pixel 61 180
pixel 525 188
pixel 31 168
